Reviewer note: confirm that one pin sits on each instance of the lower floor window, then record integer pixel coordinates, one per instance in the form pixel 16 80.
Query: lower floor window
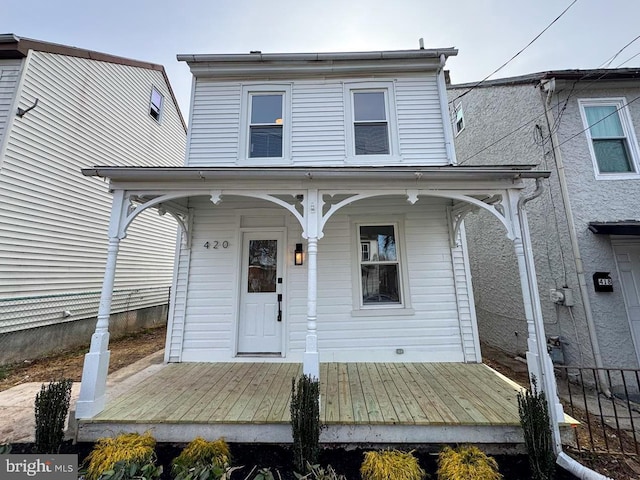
pixel 379 265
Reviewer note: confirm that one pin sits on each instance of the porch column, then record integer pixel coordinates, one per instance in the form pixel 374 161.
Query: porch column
pixel 538 360
pixel 311 363
pixel 91 400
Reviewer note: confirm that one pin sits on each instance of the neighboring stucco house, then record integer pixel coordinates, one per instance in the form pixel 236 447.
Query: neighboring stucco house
pixel 62 109
pixel 321 211
pixel 582 125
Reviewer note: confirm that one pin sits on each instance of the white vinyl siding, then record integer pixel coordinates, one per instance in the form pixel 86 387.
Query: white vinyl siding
pixel 215 124
pixel 320 123
pixel 420 122
pixel 53 220
pixel 430 332
pixel 9 77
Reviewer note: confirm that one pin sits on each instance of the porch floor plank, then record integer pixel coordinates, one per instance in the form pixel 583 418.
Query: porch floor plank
pixel 330 407
pixel 353 394
pixel 403 412
pixel 203 394
pixel 360 413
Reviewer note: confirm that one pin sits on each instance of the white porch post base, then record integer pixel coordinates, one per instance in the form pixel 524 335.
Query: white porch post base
pixel 311 365
pixel 94 377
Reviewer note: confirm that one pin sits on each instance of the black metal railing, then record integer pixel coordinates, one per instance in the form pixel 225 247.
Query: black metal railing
pixel 609 413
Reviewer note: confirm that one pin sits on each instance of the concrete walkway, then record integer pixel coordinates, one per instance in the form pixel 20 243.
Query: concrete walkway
pixel 17 418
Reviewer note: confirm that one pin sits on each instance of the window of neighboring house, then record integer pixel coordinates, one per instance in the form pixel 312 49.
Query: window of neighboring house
pixel 379 265
pixel 458 124
pixel 266 124
pixel 155 104
pixel 613 144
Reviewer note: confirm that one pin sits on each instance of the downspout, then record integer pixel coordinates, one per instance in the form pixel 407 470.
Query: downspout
pixel 562 459
pixel 444 111
pixel 549 87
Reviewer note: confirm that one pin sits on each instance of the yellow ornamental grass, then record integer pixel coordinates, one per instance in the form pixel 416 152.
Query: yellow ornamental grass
pixel 466 463
pixel 128 447
pixel 391 465
pixel 203 452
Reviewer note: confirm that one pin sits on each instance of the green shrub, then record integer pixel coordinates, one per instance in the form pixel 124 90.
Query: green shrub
pixel 391 465
pixel 305 421
pixel 51 408
pixel 316 472
pixel 534 419
pixel 202 460
pixel 5 449
pixel 466 463
pixel 127 456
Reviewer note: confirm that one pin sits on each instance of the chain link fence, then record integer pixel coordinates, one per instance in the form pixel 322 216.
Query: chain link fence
pixel 35 326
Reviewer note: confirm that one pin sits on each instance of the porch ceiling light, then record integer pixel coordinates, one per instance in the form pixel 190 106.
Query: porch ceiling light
pixel 298 254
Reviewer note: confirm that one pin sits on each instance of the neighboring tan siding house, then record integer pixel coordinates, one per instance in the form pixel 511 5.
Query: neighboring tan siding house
pixel 583 126
pixel 92 108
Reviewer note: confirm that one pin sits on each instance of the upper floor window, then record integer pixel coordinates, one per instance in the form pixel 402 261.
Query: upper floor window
pixel 458 119
pixel 266 125
pixel 370 123
pixel 155 104
pixel 612 141
pixel 265 131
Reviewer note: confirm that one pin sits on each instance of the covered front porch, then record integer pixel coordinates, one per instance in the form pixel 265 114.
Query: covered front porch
pixel 360 403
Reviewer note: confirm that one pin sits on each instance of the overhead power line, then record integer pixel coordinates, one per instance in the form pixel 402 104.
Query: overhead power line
pixel 518 53
pixel 619 52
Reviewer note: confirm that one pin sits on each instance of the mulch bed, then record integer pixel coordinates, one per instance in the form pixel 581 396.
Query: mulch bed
pixel 278 458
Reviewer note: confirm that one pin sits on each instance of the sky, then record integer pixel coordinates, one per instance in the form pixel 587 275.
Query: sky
pixel 487 33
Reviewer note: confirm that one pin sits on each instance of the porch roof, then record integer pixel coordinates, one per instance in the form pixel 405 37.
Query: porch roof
pixel 414 173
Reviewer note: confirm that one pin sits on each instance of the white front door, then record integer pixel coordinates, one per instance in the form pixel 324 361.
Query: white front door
pixel 260 323
pixel 628 260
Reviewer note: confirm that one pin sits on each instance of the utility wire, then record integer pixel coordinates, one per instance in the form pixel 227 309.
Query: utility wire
pixel 556 125
pixel 595 123
pixel 518 53
pixel 619 52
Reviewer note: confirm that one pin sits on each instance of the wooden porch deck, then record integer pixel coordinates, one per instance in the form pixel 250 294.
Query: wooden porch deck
pixel 360 403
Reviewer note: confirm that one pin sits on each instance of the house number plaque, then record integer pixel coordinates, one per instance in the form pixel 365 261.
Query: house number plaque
pixel 216 244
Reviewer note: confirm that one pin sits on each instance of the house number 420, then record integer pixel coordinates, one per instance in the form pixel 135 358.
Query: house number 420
pixel 216 244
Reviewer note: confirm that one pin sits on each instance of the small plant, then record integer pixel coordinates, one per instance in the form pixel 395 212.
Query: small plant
pixel 534 419
pixel 264 474
pixel 316 472
pixel 5 449
pixel 51 407
pixel 391 465
pixel 466 463
pixel 127 456
pixel 202 460
pixel 305 421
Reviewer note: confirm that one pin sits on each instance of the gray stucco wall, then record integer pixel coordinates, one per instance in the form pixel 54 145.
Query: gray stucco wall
pixel 601 200
pixel 506 125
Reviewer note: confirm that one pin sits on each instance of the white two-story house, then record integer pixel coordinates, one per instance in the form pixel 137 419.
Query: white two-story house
pixel 321 211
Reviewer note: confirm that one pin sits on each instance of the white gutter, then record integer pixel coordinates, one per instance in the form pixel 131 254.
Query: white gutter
pixel 549 87
pixel 444 111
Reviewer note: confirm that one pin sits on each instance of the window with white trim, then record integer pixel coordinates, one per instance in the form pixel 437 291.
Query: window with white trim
pixel 265 126
pixel 379 261
pixel 612 141
pixel 458 118
pixel 370 122
pixel 266 122
pixel 155 104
